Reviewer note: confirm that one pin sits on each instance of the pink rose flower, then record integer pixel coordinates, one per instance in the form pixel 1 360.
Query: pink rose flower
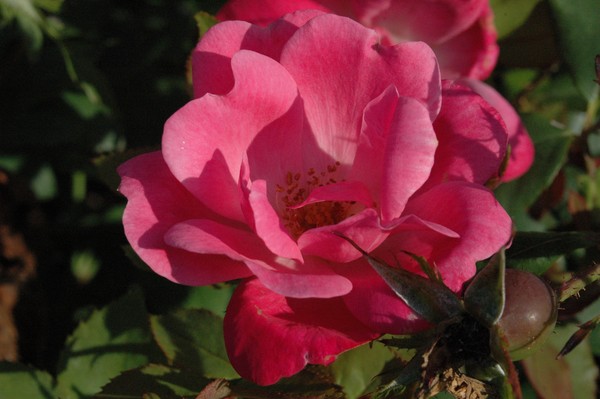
pixel 303 128
pixel 461 33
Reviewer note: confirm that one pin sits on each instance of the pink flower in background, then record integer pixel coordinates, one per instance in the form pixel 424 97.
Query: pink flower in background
pixel 461 33
pixel 300 129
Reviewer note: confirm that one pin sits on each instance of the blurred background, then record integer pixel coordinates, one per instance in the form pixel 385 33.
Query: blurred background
pixel 80 81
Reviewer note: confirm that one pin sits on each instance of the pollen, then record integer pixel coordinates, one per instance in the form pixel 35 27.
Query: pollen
pixel 296 189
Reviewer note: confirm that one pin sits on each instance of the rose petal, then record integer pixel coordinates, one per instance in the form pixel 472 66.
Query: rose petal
pixel 346 70
pixel 266 12
pixel 156 202
pixel 374 303
pixel 312 278
pixel 397 144
pixel 204 142
pixel 472 138
pixel 472 53
pixel 430 21
pixel 211 59
pixel 269 337
pixel 522 151
pixel 468 209
pixel 363 228
pixel 409 156
pixel 268 225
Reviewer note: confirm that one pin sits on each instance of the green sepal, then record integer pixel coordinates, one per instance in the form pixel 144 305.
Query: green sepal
pixel 484 298
pixel 431 299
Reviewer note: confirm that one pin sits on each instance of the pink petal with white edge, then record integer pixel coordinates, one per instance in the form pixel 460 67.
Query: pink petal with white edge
pixel 269 337
pixel 205 141
pixel 266 12
pixel 472 138
pixel 522 151
pixel 346 70
pixel 156 202
pixel 473 53
pixel 312 278
pixel 211 59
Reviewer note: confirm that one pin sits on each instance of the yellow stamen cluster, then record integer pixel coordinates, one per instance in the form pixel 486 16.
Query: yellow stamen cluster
pixel 297 188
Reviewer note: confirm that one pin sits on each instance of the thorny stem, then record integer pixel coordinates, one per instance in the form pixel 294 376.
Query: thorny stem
pixel 577 283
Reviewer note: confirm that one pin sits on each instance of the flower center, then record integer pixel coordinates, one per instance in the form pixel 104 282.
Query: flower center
pixel 296 189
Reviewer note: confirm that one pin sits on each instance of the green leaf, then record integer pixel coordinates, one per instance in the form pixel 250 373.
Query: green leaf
pixel 484 297
pixel 532 251
pixel 579 32
pixel 573 376
pixel 18 381
pixel 210 297
pixel 29 19
pixel 551 145
pixel 49 5
pixel 204 21
pixel 112 340
pixel 193 339
pixel 354 370
pixel 158 379
pixel 510 14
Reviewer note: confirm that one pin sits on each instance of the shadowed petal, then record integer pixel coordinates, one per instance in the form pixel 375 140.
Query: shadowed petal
pixel 156 202
pixel 205 141
pixel 522 151
pixel 472 138
pixel 269 337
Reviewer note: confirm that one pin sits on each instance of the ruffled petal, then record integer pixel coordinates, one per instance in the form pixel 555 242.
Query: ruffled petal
pixel 468 209
pixel 267 223
pixel 430 21
pixel 472 138
pixel 363 228
pixel 312 278
pixel 522 151
pixel 206 236
pixel 409 156
pixel 211 59
pixel 472 53
pixel 347 68
pixel 204 142
pixel 395 150
pixel 156 202
pixel 269 337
